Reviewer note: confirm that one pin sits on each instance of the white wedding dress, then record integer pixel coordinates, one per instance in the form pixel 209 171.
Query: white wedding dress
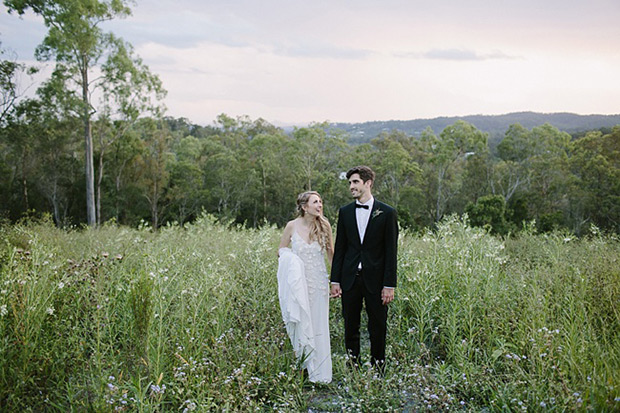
pixel 303 291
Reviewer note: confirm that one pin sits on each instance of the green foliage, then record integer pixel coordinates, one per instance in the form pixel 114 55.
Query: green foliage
pixel 489 212
pixel 188 318
pixel 248 172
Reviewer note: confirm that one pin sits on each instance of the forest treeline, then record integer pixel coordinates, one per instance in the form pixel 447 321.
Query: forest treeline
pixel 248 171
pixel 93 146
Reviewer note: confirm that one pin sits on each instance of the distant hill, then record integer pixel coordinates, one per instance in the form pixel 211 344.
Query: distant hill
pixel 495 125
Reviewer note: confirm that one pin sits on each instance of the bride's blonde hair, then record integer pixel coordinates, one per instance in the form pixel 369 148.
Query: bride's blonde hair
pixel 319 231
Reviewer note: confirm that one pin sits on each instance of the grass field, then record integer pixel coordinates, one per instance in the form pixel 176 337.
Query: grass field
pixel 187 319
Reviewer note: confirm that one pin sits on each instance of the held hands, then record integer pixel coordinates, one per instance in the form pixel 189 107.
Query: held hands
pixel 387 295
pixel 336 291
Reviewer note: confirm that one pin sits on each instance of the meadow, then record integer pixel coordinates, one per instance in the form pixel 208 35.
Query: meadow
pixel 187 319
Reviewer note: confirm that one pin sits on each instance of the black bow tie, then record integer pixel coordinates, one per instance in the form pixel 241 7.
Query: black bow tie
pixel 361 206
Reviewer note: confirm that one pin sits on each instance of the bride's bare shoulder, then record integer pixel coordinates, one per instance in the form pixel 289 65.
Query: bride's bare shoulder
pixel 290 226
pixel 293 223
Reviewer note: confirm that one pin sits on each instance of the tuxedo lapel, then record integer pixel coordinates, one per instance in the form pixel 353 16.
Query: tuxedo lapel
pixel 370 226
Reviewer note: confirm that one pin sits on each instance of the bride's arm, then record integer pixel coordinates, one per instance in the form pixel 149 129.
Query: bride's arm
pixel 330 245
pixel 286 236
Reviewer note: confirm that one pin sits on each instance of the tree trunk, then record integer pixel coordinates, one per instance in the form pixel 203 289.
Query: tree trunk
pixel 154 206
pixel 25 184
pixel 99 178
pixel 88 147
pixel 54 199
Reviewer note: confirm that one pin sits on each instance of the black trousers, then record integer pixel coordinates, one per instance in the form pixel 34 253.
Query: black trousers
pixel 352 302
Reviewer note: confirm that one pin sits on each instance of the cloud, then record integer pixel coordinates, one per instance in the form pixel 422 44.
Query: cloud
pixel 317 49
pixel 456 55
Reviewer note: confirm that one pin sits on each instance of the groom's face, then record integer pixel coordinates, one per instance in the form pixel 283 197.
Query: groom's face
pixel 359 189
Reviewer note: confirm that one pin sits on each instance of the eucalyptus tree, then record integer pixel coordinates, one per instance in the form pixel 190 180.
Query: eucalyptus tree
pixel 267 154
pixel 595 194
pixel 317 148
pixel 154 166
pixel 90 60
pixel 19 155
pixel 14 139
pixel 10 88
pixel 398 175
pixel 548 188
pixel 443 160
pixel 186 180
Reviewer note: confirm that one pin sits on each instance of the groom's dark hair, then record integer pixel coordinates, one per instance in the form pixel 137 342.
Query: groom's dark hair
pixel 365 173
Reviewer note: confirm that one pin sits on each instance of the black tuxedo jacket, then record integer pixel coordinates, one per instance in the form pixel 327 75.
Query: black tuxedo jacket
pixel 376 252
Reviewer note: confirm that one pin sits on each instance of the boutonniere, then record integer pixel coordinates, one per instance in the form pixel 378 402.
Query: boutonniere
pixel 376 213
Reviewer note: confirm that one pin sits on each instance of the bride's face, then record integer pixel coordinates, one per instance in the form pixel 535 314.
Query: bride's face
pixel 314 207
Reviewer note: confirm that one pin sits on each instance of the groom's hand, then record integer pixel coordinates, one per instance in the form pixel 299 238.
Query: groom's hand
pixel 387 295
pixel 336 291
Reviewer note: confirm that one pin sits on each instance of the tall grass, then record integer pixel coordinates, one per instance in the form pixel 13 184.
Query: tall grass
pixel 187 319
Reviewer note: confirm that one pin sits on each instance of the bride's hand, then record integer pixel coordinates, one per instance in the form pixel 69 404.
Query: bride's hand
pixel 336 291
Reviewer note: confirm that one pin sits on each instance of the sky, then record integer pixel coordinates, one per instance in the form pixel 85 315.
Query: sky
pixel 295 62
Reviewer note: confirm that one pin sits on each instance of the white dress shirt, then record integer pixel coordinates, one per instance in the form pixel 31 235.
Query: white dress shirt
pixel 362 216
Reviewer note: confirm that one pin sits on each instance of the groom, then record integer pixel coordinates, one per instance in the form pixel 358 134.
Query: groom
pixel 364 264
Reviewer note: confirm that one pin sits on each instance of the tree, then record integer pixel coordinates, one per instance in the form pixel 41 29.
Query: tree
pixel 276 180
pixel 513 170
pixel 10 88
pixel 550 176
pixel 19 152
pixel 398 176
pixel 153 165
pixel 444 157
pixel 489 212
pixel 186 180
pixel 129 92
pixel 595 195
pixel 78 45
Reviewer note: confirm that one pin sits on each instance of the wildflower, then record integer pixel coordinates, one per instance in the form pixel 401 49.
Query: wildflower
pixel 61 285
pixel 50 310
pixel 3 310
pixel 543 404
pixel 191 406
pixel 155 389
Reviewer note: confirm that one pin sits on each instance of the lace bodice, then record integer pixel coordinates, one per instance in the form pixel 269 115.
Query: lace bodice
pixel 314 264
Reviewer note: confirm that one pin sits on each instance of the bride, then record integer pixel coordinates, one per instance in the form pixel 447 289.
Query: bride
pixel 303 285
